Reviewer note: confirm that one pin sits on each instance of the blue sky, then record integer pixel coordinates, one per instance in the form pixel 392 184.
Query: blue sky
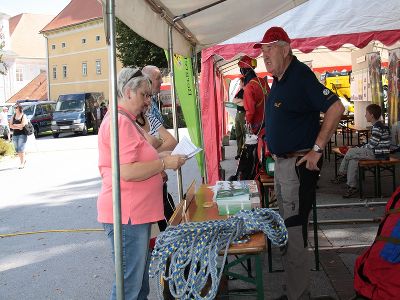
pixel 47 7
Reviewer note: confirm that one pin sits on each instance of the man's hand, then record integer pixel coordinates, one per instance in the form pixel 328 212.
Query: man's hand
pixel 311 159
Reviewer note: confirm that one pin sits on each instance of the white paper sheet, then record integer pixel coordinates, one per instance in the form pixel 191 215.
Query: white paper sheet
pixel 186 147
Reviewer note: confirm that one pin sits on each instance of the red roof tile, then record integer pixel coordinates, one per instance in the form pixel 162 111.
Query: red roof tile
pixel 34 90
pixel 76 12
pixel 13 22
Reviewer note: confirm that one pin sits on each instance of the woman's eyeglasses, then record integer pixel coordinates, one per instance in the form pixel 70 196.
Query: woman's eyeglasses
pixel 146 95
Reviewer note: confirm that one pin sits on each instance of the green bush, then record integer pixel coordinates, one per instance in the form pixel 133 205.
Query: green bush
pixel 6 148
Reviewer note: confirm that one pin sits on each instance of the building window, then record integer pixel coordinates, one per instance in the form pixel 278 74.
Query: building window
pixel 97 38
pixel 84 69
pixel 83 41
pixel 64 68
pixel 55 72
pixel 19 74
pixel 62 45
pixel 53 47
pixel 98 67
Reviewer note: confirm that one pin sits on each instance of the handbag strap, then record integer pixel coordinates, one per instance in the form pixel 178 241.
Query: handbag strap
pixel 130 118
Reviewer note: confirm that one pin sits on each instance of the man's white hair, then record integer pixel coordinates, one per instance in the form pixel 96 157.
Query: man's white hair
pixel 150 70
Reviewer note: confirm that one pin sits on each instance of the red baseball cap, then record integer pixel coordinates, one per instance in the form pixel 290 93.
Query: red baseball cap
pixel 247 62
pixel 272 35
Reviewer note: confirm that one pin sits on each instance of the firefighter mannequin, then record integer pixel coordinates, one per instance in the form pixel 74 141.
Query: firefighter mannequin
pixel 256 90
pixel 255 94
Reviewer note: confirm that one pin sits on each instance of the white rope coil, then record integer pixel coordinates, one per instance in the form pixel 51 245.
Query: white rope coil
pixel 191 249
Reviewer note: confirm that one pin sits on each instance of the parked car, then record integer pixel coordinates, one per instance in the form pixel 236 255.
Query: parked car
pixel 76 113
pixel 40 113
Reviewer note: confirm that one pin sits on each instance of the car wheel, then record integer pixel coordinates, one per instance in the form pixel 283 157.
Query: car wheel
pixel 56 135
pixel 84 130
pixel 36 131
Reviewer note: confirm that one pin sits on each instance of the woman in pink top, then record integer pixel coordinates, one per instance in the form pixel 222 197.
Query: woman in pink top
pixel 141 182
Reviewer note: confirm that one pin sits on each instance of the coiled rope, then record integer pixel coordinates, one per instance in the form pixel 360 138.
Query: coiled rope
pixel 192 250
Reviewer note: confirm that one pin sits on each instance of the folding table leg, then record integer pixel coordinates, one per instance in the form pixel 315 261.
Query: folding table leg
pixel 259 277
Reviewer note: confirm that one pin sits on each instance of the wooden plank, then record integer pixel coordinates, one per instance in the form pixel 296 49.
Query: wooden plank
pixel 179 214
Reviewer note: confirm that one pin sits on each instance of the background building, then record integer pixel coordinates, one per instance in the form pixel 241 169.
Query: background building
pixel 24 52
pixel 77 50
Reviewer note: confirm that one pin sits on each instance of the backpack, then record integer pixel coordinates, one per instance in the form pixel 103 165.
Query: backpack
pixel 377 270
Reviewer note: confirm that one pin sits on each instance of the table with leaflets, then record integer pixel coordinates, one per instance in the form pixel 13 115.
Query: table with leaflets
pixel 203 208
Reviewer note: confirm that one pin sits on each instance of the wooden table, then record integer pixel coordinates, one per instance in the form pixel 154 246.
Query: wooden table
pixel 360 132
pixel 253 249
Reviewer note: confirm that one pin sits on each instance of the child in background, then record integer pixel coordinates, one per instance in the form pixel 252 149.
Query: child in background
pixel 379 142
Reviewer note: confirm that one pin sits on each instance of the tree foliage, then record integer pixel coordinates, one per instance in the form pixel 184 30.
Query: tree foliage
pixel 3 65
pixel 133 50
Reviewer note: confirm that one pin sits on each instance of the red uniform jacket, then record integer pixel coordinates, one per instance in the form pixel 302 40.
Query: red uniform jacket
pixel 255 93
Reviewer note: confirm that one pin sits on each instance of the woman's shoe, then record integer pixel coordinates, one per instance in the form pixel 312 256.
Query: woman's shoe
pixel 22 165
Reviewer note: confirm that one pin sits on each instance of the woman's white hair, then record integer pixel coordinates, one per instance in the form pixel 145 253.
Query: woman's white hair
pixel 130 78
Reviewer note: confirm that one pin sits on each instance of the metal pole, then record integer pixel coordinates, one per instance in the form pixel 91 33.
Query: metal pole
pixel 196 81
pixel 116 191
pixel 348 221
pixel 343 205
pixel 174 109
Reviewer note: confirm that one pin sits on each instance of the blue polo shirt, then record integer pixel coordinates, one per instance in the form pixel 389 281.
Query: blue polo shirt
pixel 293 108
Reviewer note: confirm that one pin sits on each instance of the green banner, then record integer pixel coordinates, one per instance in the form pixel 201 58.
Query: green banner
pixel 186 93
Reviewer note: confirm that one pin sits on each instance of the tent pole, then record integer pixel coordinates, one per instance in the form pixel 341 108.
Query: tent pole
pixel 116 190
pixel 196 81
pixel 174 106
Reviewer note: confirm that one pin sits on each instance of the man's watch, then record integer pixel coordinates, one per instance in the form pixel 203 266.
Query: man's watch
pixel 317 148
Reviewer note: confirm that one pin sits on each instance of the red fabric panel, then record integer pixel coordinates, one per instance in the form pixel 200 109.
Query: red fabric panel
pixel 228 52
pixel 209 118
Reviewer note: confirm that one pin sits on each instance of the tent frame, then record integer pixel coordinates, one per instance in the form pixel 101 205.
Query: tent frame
pixel 116 189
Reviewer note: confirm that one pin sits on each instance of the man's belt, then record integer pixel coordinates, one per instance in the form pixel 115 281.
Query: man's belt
pixel 291 154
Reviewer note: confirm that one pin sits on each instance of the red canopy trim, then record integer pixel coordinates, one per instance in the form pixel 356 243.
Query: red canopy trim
pixel 334 42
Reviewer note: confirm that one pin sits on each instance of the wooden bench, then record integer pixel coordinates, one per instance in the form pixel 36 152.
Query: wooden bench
pixel 377 167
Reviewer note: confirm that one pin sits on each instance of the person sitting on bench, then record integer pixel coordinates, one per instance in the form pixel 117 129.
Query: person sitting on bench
pixel 380 140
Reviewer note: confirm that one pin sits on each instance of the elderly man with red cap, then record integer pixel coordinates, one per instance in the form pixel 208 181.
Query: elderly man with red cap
pixel 296 139
pixel 255 91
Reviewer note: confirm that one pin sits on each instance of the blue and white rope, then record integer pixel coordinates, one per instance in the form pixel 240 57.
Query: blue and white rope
pixel 193 250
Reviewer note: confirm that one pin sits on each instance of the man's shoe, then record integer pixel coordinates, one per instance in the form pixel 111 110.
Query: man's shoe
pixel 351 192
pixel 339 179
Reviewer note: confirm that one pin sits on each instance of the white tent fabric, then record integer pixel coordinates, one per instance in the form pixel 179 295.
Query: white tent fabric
pixel 333 23
pixel 206 28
